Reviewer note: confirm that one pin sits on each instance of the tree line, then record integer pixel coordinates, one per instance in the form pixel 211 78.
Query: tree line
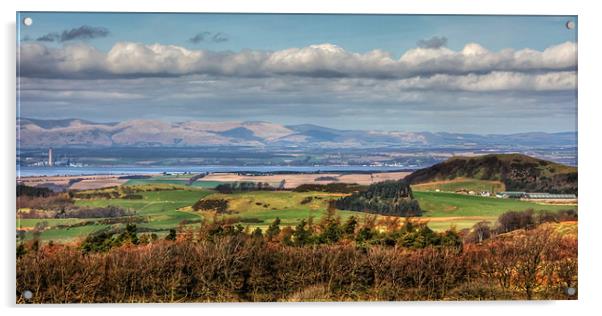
pixel 232 187
pixel 334 187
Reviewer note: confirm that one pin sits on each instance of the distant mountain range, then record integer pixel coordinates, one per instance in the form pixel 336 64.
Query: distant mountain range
pixel 37 133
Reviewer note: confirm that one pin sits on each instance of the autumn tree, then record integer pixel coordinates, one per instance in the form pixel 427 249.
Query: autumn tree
pixel 273 230
pixel 480 232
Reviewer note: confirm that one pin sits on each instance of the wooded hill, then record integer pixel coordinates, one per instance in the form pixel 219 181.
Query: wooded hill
pixel 392 198
pixel 517 172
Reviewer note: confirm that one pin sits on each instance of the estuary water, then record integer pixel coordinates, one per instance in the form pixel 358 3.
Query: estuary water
pixel 130 170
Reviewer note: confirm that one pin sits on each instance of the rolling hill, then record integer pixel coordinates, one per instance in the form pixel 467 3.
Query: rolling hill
pixel 39 133
pixel 517 172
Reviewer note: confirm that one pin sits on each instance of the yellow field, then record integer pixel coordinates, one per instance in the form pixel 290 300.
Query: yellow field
pixel 461 184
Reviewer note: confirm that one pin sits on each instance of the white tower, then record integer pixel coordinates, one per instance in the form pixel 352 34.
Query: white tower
pixel 50 158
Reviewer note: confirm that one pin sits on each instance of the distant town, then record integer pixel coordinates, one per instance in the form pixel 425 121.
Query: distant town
pixel 51 161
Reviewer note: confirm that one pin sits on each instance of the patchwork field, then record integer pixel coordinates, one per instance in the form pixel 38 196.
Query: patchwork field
pixel 210 181
pixel 291 180
pixel 163 210
pixel 159 211
pixel 260 208
pixel 294 180
pixel 84 182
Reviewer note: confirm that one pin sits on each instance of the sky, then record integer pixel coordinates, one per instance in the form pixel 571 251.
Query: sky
pixel 471 74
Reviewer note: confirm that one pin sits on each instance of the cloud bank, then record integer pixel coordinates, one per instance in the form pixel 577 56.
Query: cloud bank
pixel 136 60
pixel 431 87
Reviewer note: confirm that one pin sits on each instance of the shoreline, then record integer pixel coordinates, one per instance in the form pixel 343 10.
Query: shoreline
pixel 24 172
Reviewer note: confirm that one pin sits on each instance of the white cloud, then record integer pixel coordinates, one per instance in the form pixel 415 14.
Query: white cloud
pixel 128 60
pixel 495 81
pixel 80 59
pixel 548 99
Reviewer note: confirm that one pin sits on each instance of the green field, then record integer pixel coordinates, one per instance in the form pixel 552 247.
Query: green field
pixel 267 205
pixel 446 208
pixel 463 211
pixel 171 180
pixel 442 204
pixel 159 208
pixel 167 208
pixel 461 184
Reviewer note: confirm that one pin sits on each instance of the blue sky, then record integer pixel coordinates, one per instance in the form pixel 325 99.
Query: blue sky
pixel 359 33
pixel 247 70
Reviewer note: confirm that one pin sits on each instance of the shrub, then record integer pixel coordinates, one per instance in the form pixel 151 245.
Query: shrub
pixel 239 267
pixel 218 205
pixel 306 200
pixel 512 220
pixel 24 190
pixel 228 188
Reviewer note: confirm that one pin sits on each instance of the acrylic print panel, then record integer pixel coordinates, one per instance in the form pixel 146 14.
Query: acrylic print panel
pixel 273 157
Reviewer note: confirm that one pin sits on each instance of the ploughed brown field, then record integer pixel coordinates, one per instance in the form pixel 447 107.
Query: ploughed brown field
pixel 294 180
pixel 88 182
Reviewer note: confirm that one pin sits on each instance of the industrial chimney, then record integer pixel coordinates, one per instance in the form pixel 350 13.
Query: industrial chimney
pixel 50 158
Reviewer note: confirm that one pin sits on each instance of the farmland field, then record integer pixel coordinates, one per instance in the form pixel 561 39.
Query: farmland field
pixel 443 209
pixel 177 180
pixel 159 209
pixel 164 209
pixel 461 184
pixel 289 206
pixel 442 204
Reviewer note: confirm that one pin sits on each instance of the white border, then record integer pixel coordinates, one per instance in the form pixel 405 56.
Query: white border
pixel 589 142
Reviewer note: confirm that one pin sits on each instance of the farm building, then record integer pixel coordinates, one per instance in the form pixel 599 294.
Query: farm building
pixel 542 197
pixel 549 196
pixel 511 195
